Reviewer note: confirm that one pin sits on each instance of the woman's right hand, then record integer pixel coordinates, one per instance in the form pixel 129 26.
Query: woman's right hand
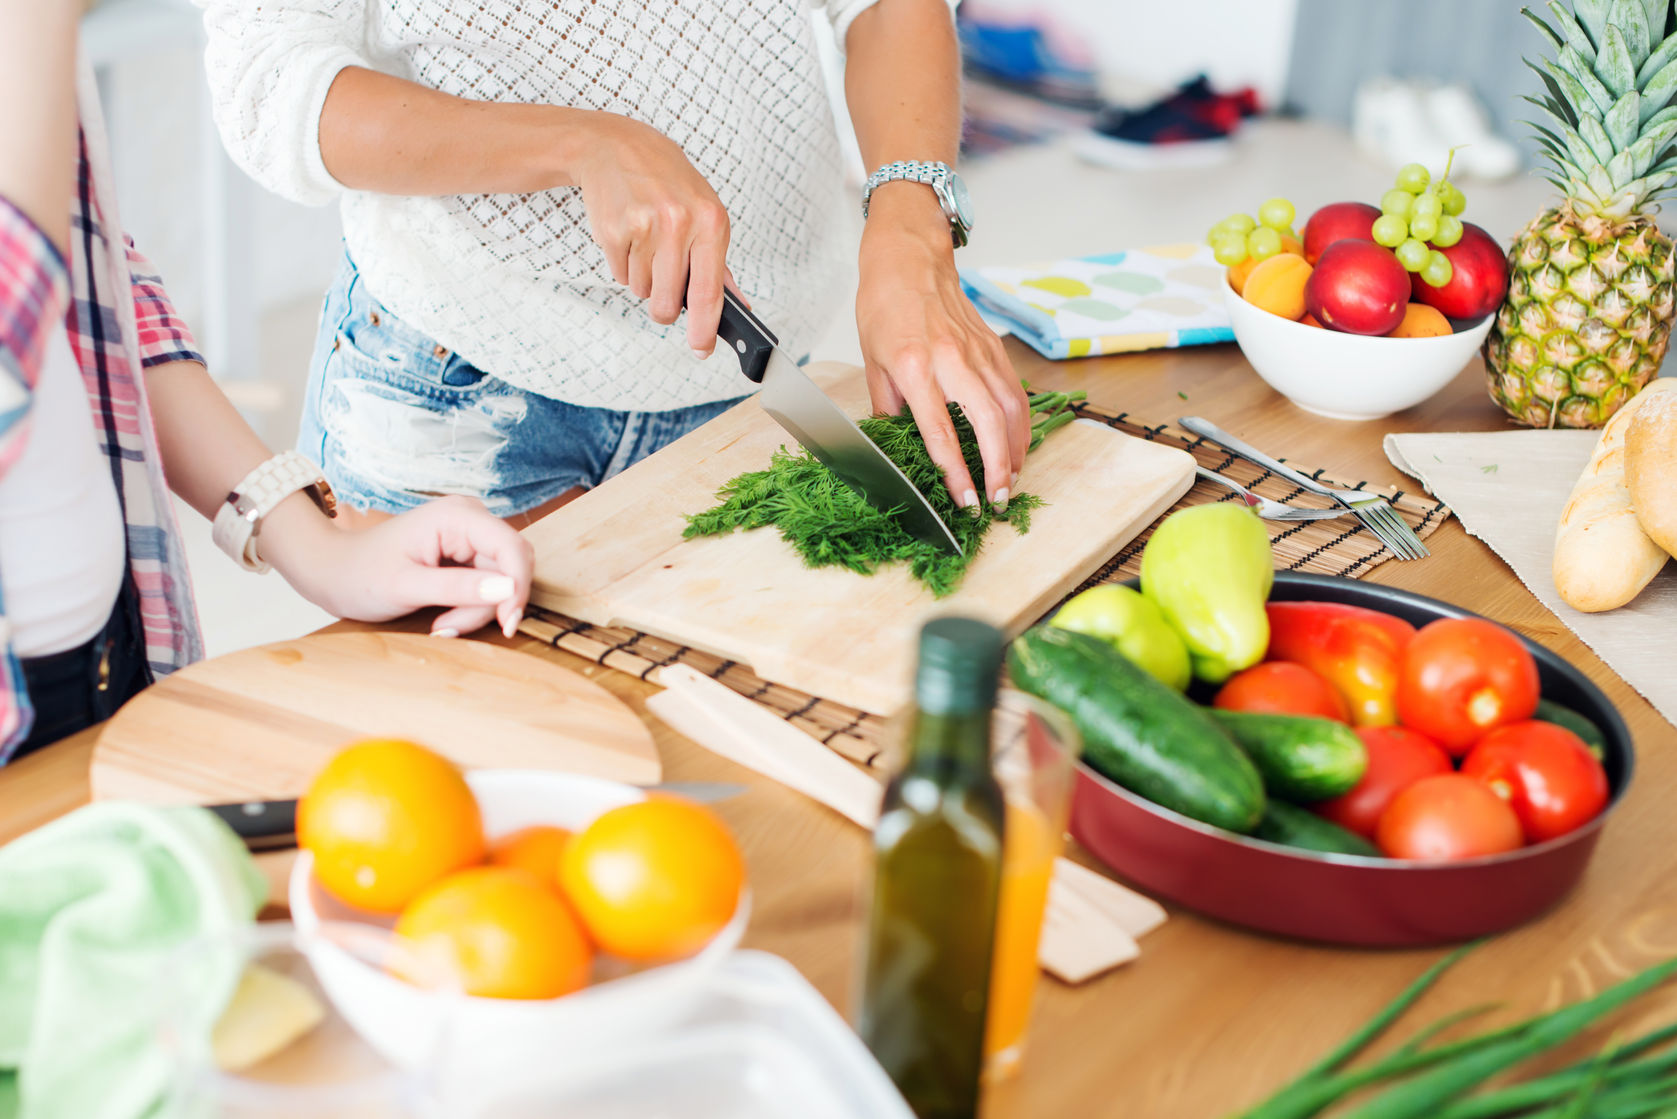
pixel 664 231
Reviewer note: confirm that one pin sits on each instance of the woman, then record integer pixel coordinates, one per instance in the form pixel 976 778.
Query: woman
pixel 102 396
pixel 532 192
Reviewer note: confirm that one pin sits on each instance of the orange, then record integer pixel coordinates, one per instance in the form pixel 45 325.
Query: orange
pixel 535 849
pixel 653 880
pixel 502 933
pixel 1310 320
pixel 385 819
pixel 1276 285
pixel 1421 321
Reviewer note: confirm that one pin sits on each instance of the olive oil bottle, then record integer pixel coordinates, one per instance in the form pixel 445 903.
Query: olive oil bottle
pixel 937 874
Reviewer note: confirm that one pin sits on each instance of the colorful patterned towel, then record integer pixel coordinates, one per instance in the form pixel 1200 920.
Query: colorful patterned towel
pixel 1143 299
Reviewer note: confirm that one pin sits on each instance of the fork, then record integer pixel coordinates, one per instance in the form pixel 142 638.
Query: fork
pixel 1263 506
pixel 1371 509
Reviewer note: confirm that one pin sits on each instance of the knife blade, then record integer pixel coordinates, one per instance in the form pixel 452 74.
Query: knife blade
pixel 271 825
pixel 797 404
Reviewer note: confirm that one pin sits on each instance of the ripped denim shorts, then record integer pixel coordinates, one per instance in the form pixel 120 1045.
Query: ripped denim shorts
pixel 394 419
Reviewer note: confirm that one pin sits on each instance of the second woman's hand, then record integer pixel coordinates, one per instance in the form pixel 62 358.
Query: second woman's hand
pixel 449 552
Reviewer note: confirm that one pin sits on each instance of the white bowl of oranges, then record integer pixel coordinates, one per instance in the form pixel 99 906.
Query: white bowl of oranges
pixel 536 913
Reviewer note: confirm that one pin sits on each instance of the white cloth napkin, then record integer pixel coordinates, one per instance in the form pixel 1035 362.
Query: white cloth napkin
pixel 1508 489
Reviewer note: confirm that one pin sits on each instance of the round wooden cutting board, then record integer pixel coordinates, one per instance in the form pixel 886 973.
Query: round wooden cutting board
pixel 259 723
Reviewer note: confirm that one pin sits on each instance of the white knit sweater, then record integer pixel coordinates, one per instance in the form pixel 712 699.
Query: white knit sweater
pixel 513 282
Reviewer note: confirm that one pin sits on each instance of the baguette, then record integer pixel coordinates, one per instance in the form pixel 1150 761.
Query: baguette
pixel 1603 559
pixel 1651 468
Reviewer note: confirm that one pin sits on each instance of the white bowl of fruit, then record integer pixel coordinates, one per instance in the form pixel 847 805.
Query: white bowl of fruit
pixel 535 914
pixel 1373 309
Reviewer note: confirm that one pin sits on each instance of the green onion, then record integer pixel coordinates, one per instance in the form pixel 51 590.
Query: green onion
pixel 1420 1097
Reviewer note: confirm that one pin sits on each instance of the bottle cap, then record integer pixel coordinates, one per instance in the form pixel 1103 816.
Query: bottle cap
pixel 960 660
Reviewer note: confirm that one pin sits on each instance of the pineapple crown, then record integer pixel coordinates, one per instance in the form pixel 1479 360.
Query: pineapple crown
pixel 1609 89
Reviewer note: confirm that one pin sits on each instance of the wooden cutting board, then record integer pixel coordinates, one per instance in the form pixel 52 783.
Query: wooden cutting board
pixel 615 556
pixel 258 724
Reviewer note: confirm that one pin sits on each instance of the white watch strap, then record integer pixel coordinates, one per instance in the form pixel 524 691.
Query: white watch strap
pixel 240 516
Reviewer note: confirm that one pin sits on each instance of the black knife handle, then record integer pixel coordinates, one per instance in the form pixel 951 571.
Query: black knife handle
pixel 752 342
pixel 264 825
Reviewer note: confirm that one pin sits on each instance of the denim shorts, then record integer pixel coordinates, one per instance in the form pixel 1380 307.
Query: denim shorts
pixel 395 419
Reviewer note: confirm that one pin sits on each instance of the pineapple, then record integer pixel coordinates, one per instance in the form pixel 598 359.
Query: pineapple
pixel 1589 306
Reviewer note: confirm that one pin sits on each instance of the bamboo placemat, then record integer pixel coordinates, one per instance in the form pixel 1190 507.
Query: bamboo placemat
pixel 1341 546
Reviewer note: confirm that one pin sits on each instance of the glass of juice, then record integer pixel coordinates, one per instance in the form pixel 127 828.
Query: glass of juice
pixel 1034 748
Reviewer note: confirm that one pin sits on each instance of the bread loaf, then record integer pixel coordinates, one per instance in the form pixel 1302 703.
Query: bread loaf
pixel 1651 467
pixel 1603 558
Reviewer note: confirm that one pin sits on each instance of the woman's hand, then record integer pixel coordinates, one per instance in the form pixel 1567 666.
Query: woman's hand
pixel 449 552
pixel 664 231
pixel 925 345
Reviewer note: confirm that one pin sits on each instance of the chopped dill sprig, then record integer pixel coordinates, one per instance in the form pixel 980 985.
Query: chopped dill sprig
pixel 831 526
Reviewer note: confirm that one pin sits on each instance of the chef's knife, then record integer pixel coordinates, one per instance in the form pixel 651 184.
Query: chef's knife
pixel 826 432
pixel 271 825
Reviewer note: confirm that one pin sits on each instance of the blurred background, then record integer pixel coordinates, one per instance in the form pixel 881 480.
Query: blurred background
pixel 1093 126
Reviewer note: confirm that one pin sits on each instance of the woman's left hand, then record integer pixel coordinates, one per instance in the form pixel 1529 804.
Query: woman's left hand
pixel 925 346
pixel 449 552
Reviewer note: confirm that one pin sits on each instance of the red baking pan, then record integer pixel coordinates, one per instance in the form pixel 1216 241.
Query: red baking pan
pixel 1344 899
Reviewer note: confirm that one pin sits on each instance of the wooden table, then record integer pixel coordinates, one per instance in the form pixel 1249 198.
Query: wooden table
pixel 1210 1017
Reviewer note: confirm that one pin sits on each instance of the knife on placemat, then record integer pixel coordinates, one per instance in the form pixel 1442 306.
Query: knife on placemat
pixel 271 825
pixel 799 406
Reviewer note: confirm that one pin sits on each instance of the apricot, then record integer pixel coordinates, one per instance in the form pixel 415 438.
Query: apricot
pixel 1276 285
pixel 1310 320
pixel 1239 273
pixel 1421 321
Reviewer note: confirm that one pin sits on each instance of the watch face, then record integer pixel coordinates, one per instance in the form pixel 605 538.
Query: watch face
pixel 963 202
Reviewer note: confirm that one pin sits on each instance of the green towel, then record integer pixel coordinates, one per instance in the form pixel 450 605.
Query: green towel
pixel 94 910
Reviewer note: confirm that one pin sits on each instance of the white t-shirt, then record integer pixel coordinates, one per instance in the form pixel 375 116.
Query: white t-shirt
pixel 514 283
pixel 62 545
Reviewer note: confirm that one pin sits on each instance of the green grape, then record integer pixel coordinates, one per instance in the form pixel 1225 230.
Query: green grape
pixel 1412 254
pixel 1396 203
pixel 1423 228
pixel 1437 270
pixel 1449 231
pixel 1390 230
pixel 1228 247
pixel 1454 200
pixel 1263 243
pixel 1239 223
pixel 1427 205
pixel 1276 214
pixel 1413 178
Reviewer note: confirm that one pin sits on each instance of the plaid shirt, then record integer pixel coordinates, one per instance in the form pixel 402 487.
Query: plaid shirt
pixel 109 300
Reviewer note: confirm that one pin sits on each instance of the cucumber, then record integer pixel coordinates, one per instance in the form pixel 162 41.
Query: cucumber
pixel 1139 732
pixel 1300 758
pixel 1292 826
pixel 1551 712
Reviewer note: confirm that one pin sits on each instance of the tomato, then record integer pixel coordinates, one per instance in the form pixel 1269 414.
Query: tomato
pixel 1545 773
pixel 1447 817
pixel 1397 758
pixel 1282 688
pixel 1462 677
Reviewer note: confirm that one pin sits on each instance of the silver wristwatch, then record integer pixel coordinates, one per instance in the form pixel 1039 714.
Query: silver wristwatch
pixel 945 183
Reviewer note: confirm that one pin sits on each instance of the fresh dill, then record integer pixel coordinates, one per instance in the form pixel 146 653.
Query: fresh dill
pixel 831 526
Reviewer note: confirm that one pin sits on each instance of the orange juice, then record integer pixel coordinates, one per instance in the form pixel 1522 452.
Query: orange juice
pixel 1030 845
